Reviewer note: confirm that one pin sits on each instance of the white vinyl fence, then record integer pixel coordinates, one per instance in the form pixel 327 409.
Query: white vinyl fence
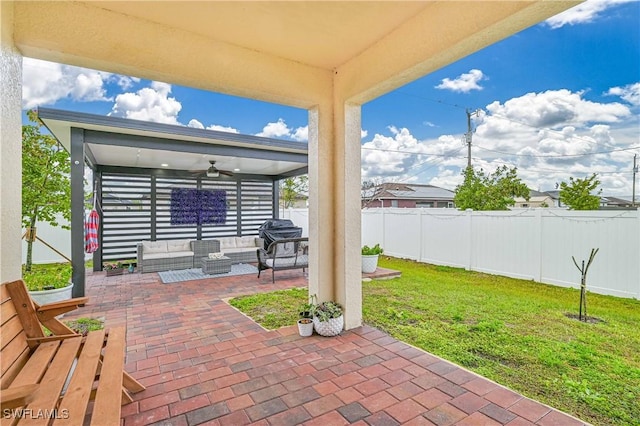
pixel 534 244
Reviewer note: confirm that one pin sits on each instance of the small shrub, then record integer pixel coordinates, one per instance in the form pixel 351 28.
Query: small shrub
pixel 370 251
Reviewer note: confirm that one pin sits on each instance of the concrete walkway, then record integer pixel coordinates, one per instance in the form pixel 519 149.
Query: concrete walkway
pixel 203 362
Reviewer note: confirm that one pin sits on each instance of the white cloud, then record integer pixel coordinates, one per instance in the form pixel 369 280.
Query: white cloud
pixel 45 83
pixel 276 129
pixel 583 13
pixel 198 125
pixel 629 93
pixel 548 136
pixel 126 82
pixel 301 134
pixel 463 83
pixel 219 128
pixel 195 124
pixel 149 104
pixel 363 133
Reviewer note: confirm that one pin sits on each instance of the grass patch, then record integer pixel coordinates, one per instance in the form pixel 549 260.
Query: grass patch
pixel 272 310
pixel 512 331
pixel 57 275
pixel 85 325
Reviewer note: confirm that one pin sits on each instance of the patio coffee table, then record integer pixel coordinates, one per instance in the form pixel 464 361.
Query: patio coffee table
pixel 216 266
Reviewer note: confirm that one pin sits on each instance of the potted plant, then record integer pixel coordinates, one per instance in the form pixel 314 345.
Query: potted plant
pixel 370 258
pixel 49 283
pixel 114 268
pixel 305 318
pixel 328 318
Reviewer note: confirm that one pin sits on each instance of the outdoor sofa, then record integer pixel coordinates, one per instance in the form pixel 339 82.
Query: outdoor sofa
pixel 167 255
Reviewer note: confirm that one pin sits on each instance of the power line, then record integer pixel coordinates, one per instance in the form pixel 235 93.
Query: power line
pixel 557 156
pixel 399 151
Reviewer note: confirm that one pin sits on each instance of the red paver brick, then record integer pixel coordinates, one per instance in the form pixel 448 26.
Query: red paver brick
pixel 556 418
pixel 405 410
pixel 371 386
pixel 480 386
pixel 445 414
pixel 332 418
pixel 239 402
pixel 322 405
pixel 378 401
pixel 148 417
pixel 419 421
pixel 158 400
pixel 432 398
pixel 326 388
pixel 478 419
pixel 237 418
pixel 349 395
pixel 503 397
pixel 405 390
pixel 469 402
pixel 291 417
pixel 376 370
pixel 529 410
pixel 189 404
pixel 396 377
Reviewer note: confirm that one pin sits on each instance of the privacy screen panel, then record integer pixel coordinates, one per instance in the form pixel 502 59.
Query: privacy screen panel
pixel 198 206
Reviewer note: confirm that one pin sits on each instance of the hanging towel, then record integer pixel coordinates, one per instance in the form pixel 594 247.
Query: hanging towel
pixel 91 232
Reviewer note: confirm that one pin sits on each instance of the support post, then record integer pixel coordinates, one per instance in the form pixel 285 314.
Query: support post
pixel 77 211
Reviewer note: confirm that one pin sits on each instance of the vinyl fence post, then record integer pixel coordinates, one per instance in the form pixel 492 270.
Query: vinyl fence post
pixel 469 213
pixel 537 260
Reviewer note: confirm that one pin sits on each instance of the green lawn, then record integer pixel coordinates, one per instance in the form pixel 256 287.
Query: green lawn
pixel 512 331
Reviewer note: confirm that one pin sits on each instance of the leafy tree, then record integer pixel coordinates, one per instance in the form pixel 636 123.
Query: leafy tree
pixel 46 186
pixel 495 191
pixel 577 194
pixel 291 189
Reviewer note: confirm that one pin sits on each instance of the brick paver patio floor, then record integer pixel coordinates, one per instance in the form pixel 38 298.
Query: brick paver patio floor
pixel 203 362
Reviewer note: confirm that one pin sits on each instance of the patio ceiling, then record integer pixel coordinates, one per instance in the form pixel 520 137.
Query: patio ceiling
pixel 112 141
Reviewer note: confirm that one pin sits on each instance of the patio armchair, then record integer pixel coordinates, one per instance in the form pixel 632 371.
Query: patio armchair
pixel 283 254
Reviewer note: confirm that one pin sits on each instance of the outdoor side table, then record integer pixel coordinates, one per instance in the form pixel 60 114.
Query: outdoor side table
pixel 216 266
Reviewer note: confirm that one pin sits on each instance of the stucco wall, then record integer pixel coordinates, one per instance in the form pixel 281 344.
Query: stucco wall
pixel 10 147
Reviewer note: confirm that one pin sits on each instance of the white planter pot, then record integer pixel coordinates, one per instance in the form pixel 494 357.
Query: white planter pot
pixel 305 330
pixel 332 327
pixel 49 296
pixel 369 263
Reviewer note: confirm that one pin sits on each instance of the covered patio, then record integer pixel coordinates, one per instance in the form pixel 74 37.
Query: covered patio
pixel 204 362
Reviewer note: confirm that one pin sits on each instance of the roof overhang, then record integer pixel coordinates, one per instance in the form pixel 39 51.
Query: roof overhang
pixel 120 142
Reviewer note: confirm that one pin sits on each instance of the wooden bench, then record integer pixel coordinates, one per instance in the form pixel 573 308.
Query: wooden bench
pixel 286 253
pixel 51 379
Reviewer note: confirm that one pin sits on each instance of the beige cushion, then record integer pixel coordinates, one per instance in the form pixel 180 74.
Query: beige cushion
pixel 246 242
pixel 180 254
pixel 178 245
pixel 149 247
pixel 240 250
pixel 149 256
pixel 227 242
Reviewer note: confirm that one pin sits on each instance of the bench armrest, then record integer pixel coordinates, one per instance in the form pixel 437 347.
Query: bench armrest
pixel 18 396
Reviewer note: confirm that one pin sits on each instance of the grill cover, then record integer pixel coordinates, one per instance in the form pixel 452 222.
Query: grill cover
pixel 277 229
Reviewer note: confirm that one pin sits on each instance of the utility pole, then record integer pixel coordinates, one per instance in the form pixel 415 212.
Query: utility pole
pixel 467 136
pixel 635 170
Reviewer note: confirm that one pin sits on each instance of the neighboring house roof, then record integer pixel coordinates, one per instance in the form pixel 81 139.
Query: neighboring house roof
pixel 616 201
pixel 413 192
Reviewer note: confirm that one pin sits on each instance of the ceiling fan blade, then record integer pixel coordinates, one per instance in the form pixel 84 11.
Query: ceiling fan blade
pixel 225 172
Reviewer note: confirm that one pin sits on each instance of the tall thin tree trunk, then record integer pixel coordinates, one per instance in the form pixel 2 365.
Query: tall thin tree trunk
pixel 29 261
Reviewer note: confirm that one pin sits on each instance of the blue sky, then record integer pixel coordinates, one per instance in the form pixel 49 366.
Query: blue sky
pixel 559 99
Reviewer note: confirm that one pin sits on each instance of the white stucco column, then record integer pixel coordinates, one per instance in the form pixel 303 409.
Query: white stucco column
pixel 334 206
pixel 10 148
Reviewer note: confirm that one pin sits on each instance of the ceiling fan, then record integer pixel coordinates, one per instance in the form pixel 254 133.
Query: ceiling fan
pixel 213 171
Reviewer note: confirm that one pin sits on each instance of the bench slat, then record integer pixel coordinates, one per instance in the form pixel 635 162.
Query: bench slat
pixel 106 410
pixel 13 351
pixel 79 389
pixel 37 365
pixel 54 379
pixel 10 330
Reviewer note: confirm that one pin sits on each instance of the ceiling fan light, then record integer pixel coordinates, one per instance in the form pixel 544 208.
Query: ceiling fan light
pixel 212 172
